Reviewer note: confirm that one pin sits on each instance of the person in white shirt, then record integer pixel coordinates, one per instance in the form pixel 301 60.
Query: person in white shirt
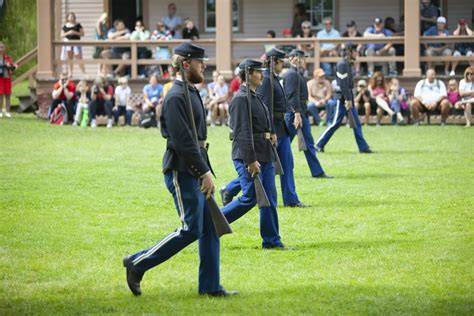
pixel 173 22
pixel 430 95
pixel 122 102
pixel 466 90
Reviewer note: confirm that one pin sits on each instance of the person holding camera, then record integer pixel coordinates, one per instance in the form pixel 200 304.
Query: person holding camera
pixel 102 94
pixel 6 67
pixel 63 93
pixel 464 48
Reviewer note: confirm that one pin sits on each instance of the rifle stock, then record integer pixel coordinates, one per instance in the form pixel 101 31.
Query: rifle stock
pixel 262 198
pixel 221 224
pixel 218 219
pixel 277 163
pixel 350 118
pixel 301 141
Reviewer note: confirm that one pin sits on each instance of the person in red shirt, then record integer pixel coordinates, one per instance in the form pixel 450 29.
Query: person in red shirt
pixel 102 95
pixel 235 83
pixel 6 67
pixel 63 93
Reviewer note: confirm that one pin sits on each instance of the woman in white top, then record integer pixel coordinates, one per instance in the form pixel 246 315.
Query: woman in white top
pixel 466 90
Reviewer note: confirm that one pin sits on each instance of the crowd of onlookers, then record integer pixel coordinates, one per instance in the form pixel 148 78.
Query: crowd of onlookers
pixel 79 105
pixel 172 26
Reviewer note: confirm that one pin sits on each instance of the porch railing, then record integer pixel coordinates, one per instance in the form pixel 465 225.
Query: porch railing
pixel 134 62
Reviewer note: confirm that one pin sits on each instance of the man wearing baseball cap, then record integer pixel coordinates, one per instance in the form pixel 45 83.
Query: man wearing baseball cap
pixel 438 49
pixel 380 49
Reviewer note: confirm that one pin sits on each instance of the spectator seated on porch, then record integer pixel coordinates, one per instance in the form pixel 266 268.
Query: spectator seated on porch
pixel 152 95
pixel 190 31
pixel 379 49
pixel 141 34
pixel 162 52
pixel 118 33
pixel 299 17
pixel 63 93
pixel 268 47
pixel 82 108
pixel 306 32
pixel 218 105
pixel 398 100
pixel 363 101
pixel 466 90
pixel 123 104
pixel 461 49
pixel 102 101
pixel 173 22
pixel 438 49
pixel 287 48
pixel 328 49
pixel 430 95
pixel 428 15
pixel 378 91
pixel 357 49
pixel 320 97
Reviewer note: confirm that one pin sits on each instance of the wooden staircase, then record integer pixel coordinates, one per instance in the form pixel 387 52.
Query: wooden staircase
pixel 28 103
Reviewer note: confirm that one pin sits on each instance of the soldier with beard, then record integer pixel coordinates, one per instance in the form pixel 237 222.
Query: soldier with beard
pixel 188 178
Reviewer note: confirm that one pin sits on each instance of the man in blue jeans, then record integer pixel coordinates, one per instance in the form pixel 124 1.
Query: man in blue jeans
pixel 297 117
pixel 320 97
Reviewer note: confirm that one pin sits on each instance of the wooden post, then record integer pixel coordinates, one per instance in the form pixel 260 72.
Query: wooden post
pixel 134 59
pixel 44 9
pixel 412 39
pixel 224 37
pixel 317 52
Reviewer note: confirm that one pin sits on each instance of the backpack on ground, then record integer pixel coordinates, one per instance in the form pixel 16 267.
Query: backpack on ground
pixel 148 119
pixel 59 115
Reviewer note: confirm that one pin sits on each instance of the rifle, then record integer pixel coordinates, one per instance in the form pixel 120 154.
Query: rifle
pixel 277 163
pixel 221 224
pixel 350 118
pixel 262 198
pixel 299 132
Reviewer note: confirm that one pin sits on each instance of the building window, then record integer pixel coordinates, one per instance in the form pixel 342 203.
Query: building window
pixel 210 15
pixel 318 10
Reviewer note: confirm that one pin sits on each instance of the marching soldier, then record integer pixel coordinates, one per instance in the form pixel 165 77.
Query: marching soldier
pixel 277 106
pixel 188 178
pixel 297 117
pixel 252 154
pixel 344 106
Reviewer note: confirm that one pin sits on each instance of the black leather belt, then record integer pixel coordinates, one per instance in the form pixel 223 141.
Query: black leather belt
pixel 265 135
pixel 202 144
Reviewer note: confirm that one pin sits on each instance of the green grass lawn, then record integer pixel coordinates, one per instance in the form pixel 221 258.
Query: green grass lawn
pixel 393 233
